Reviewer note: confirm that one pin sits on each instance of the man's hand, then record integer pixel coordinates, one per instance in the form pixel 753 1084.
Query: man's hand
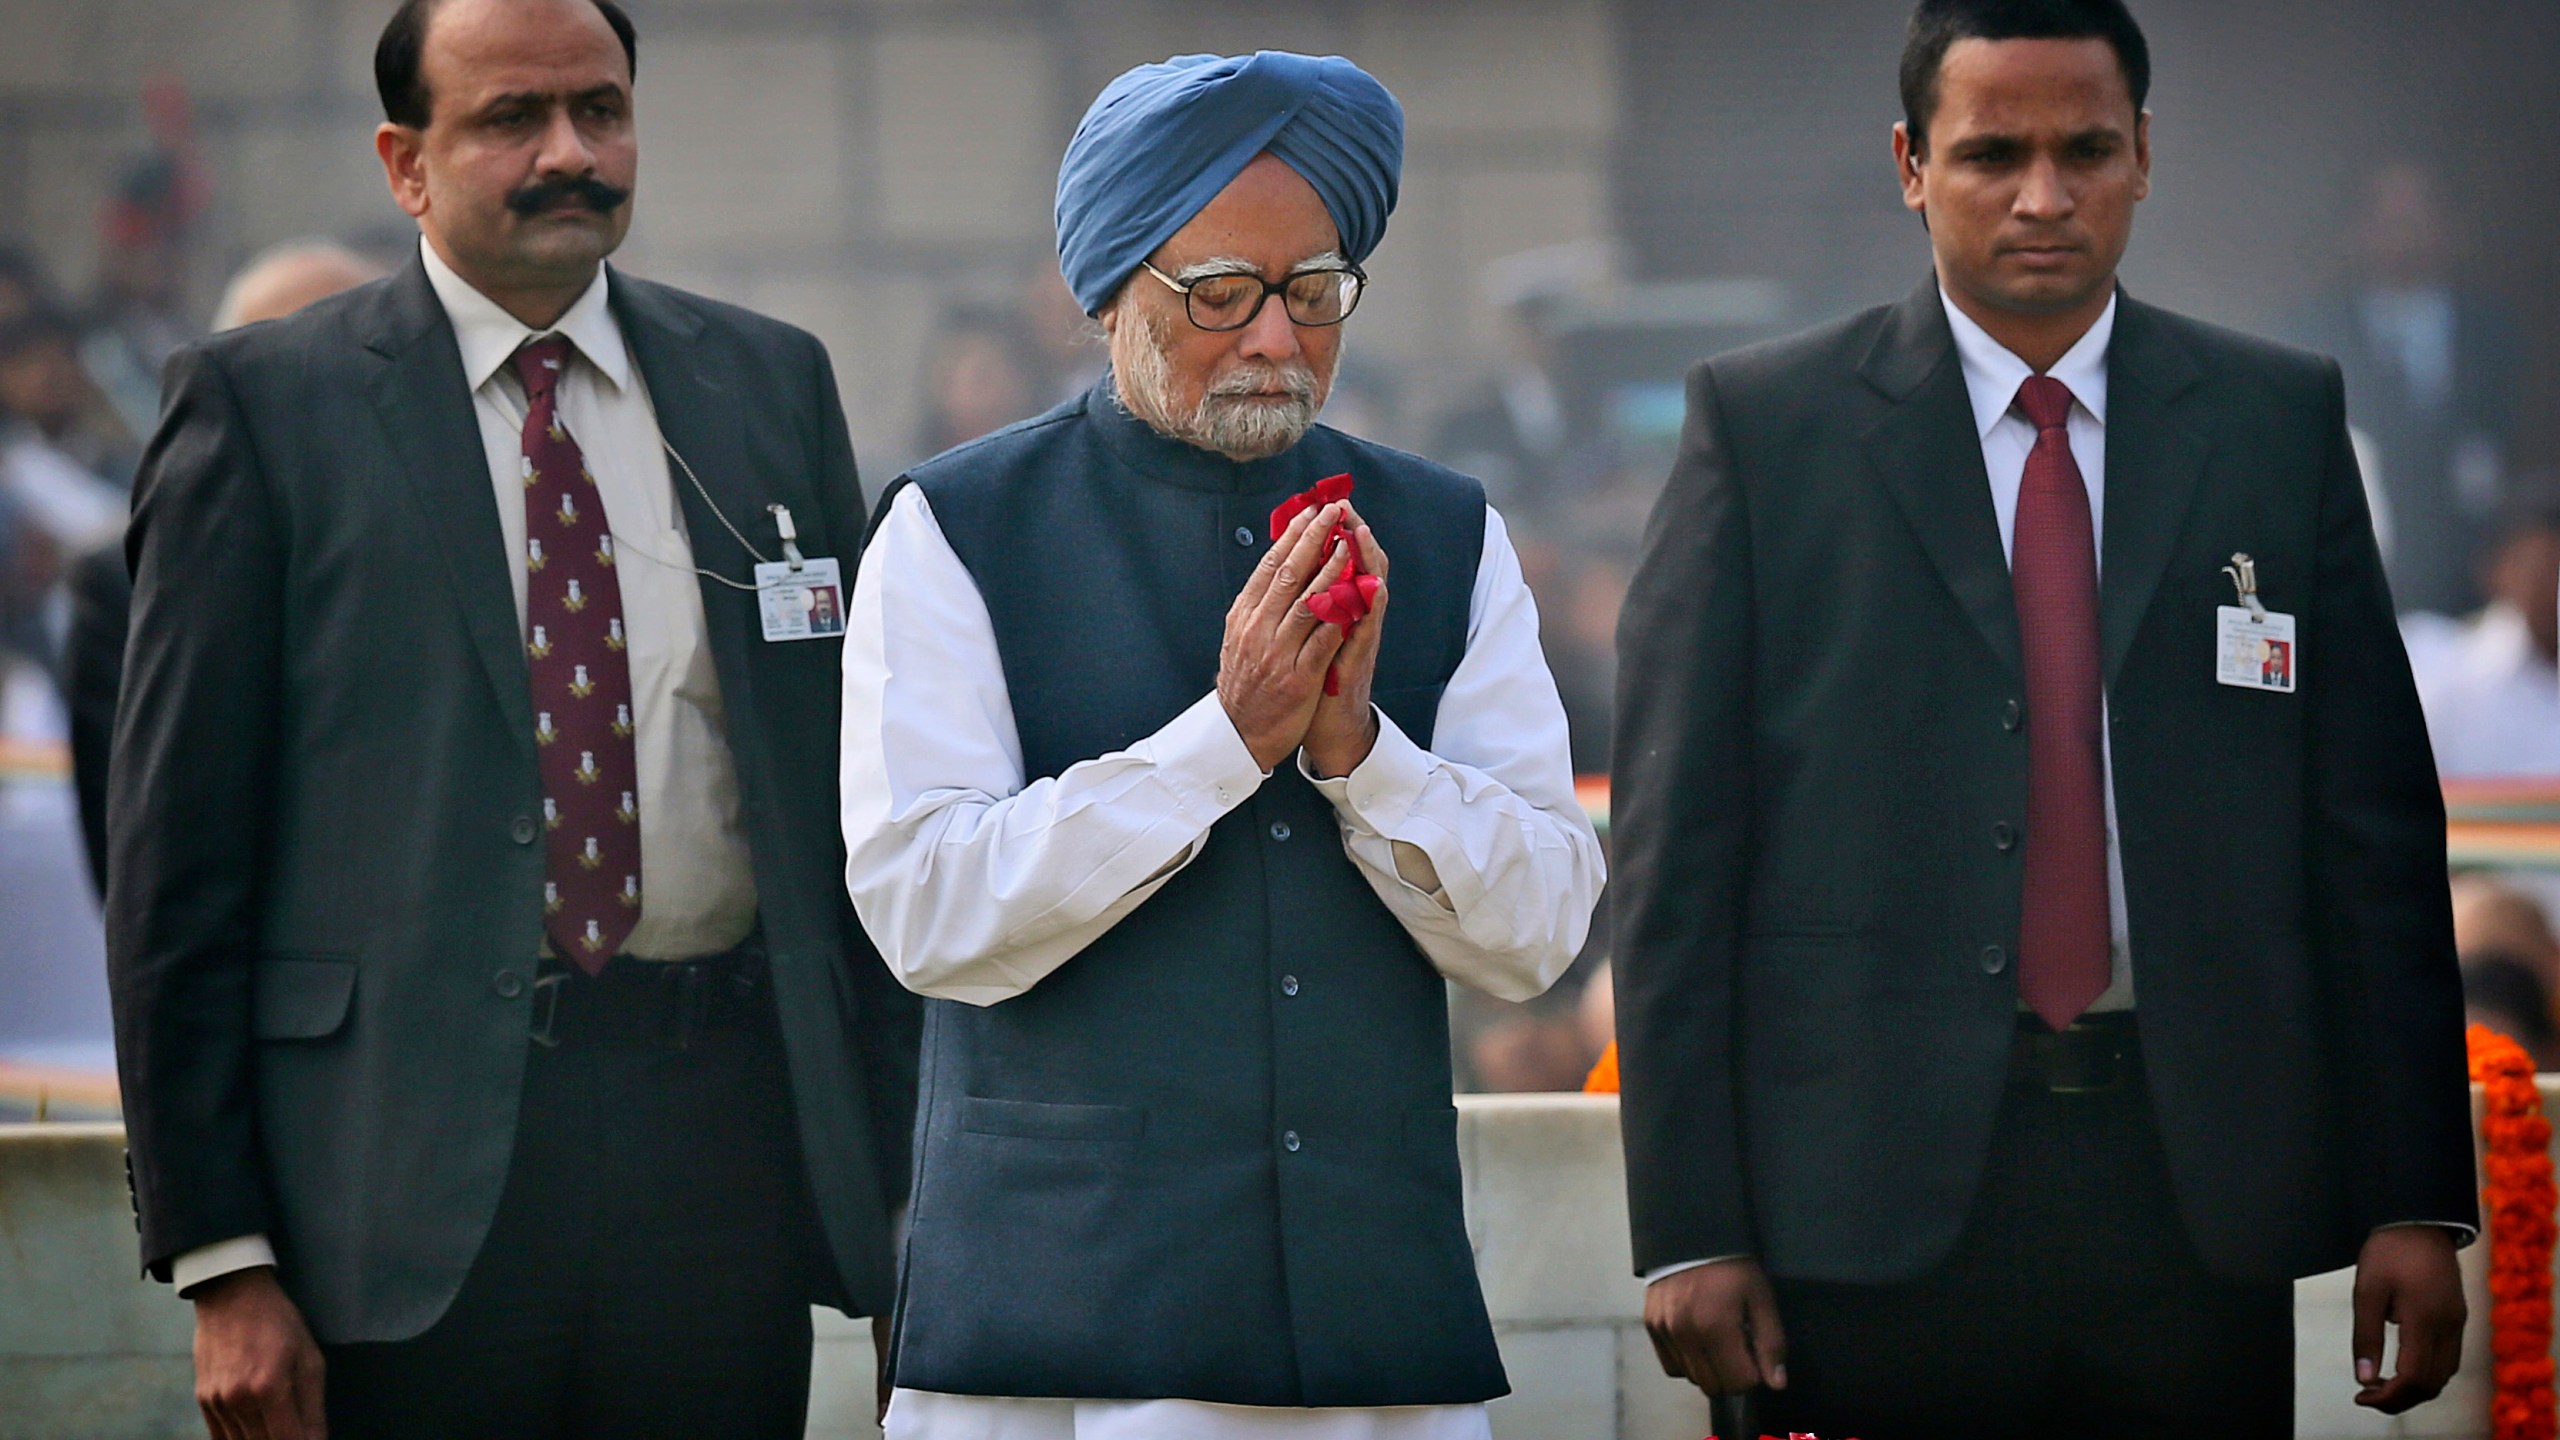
pixel 1271 667
pixel 2408 1276
pixel 1345 728
pixel 1716 1326
pixel 258 1374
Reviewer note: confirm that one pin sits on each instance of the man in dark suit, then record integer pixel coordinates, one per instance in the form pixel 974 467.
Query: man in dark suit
pixel 2008 1002
pixel 489 1007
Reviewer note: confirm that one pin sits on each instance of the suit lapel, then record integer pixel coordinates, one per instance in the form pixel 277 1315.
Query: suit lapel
pixel 418 389
pixel 699 415
pixel 1930 457
pixel 2155 465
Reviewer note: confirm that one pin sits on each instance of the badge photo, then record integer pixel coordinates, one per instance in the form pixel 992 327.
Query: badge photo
pixel 803 601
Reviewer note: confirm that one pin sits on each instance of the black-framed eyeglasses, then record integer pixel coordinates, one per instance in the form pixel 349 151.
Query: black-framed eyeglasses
pixel 1230 300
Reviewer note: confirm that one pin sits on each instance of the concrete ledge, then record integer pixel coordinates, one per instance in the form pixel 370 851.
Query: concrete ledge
pixel 88 1351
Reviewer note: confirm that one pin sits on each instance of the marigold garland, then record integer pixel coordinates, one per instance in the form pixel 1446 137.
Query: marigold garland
pixel 1603 1079
pixel 2518 1200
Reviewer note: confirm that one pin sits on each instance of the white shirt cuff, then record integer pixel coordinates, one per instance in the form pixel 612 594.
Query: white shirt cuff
pixel 1383 788
pixel 1665 1272
pixel 2462 1234
pixel 1205 760
pixel 1381 791
pixel 223 1257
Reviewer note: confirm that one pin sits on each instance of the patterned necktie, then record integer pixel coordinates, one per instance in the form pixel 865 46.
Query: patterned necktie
pixel 2063 959
pixel 581 682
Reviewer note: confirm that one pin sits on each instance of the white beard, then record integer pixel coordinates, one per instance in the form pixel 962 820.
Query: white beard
pixel 1223 421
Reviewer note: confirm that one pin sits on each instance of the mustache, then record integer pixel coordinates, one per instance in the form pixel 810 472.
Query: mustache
pixel 1298 381
pixel 601 196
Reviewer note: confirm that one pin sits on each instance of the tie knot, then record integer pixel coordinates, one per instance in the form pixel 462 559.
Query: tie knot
pixel 539 363
pixel 2046 402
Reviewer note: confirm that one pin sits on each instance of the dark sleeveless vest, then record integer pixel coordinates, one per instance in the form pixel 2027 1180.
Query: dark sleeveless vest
pixel 1213 1156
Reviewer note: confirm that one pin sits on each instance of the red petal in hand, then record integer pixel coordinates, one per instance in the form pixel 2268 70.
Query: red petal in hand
pixel 1347 599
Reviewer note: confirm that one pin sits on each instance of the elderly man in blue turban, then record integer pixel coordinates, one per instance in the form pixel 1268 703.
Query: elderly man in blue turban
pixel 1183 837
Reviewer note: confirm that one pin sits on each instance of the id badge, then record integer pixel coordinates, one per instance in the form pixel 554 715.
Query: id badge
pixel 802 604
pixel 2255 650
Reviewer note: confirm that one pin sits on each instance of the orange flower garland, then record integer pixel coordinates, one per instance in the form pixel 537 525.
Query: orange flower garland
pixel 1603 1079
pixel 2519 1200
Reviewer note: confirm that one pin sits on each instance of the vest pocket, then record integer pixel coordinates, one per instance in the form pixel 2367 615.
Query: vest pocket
pixel 300 997
pixel 1035 1120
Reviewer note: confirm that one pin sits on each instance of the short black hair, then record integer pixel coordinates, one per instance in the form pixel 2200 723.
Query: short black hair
pixel 396 55
pixel 1938 24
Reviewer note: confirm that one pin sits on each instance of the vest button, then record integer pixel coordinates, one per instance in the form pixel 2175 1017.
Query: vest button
pixel 508 984
pixel 1288 984
pixel 2005 835
pixel 2011 716
pixel 523 831
pixel 1244 536
pixel 1289 1141
pixel 1994 959
pixel 1280 830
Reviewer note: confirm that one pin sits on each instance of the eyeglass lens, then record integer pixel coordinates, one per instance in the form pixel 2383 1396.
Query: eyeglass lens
pixel 1229 302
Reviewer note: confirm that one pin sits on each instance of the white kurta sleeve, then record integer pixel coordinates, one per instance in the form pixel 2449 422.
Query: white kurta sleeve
pixel 974 885
pixel 1478 845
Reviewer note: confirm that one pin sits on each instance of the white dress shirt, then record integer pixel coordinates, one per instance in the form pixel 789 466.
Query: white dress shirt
pixel 1992 375
pixel 699 893
pixel 977 886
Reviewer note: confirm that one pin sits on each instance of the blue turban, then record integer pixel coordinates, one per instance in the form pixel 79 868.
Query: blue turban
pixel 1162 141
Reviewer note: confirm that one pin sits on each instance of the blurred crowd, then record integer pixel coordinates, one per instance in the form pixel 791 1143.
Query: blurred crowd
pixel 1570 423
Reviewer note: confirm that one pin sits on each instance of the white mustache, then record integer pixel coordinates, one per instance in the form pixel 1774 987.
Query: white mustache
pixel 1297 381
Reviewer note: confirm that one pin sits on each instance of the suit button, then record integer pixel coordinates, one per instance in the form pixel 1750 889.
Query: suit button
pixel 1280 830
pixel 523 831
pixel 1994 959
pixel 1289 1141
pixel 1288 984
pixel 1244 536
pixel 2011 716
pixel 508 984
pixel 2005 835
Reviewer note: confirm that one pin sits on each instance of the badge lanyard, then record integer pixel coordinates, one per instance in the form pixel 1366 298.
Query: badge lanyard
pixel 797 598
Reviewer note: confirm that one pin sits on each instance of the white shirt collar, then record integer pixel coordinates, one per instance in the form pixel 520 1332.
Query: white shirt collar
pixel 489 335
pixel 1993 373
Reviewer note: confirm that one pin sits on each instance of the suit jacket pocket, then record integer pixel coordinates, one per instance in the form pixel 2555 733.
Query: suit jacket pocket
pixel 300 997
pixel 1035 1120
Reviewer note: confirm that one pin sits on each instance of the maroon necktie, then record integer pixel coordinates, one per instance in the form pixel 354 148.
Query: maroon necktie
pixel 581 682
pixel 2063 960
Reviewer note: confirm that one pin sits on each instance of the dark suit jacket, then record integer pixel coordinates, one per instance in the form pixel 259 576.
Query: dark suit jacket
pixel 92 671
pixel 326 881
pixel 1821 725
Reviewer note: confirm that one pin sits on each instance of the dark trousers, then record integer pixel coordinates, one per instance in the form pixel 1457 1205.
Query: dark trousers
pixel 2073 1305
pixel 649 1270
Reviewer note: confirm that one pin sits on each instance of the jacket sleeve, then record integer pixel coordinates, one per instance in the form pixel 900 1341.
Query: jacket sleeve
pixel 889 1017
pixel 194 755
pixel 1680 804
pixel 2383 922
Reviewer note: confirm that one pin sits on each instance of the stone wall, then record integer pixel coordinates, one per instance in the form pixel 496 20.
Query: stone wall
pixel 88 1352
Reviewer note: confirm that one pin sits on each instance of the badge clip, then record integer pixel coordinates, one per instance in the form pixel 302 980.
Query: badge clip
pixel 790 536
pixel 2244 577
